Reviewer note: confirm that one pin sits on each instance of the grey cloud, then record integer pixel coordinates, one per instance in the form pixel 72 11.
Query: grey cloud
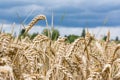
pixel 77 11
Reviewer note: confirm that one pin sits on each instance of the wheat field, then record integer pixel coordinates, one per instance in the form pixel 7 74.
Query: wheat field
pixel 43 59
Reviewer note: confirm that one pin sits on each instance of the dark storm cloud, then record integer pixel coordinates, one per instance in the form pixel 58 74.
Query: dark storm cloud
pixel 66 13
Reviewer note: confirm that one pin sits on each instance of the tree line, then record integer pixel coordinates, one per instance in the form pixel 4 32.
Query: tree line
pixel 54 34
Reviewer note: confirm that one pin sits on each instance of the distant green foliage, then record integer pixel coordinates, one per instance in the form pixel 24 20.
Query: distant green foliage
pixel 104 38
pixel 45 32
pixel 83 33
pixel 54 33
pixel 22 33
pixel 71 38
pixel 116 39
pixel 33 35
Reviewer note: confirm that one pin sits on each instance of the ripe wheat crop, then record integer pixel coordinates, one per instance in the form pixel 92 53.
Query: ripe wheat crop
pixel 43 59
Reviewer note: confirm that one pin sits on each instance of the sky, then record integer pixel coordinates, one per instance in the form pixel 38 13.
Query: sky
pixel 67 13
pixel 72 13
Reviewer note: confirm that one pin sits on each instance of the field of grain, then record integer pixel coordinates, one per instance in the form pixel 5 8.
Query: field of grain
pixel 43 59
